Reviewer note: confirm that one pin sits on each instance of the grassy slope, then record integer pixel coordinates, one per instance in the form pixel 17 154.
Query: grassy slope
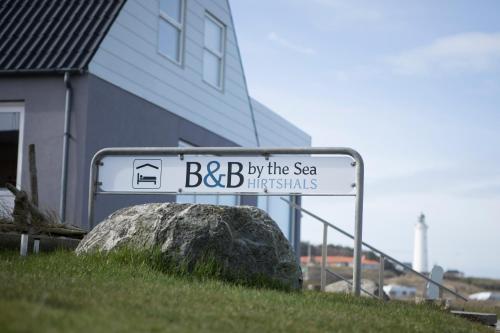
pixel 483 306
pixel 64 293
pixel 464 286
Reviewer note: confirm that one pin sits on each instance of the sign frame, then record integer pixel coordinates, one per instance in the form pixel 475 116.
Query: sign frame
pixel 358 163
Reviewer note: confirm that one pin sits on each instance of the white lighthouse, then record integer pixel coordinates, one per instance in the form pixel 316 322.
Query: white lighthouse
pixel 420 246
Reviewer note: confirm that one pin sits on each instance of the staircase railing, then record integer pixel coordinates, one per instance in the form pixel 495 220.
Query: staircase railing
pixel 382 256
pixel 350 283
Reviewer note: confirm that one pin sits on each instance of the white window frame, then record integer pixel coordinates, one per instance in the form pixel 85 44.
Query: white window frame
pixel 219 54
pixel 17 107
pixel 179 26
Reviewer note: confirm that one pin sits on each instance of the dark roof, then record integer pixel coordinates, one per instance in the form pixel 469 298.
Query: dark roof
pixel 52 35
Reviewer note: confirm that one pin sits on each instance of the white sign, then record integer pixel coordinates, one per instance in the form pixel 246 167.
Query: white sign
pixel 333 175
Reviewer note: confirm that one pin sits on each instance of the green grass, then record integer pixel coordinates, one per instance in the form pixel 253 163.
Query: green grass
pixel 132 292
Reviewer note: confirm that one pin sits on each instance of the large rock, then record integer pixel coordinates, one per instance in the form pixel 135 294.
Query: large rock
pixel 344 287
pixel 243 240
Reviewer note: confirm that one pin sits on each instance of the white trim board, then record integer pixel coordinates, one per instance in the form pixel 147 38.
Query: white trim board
pixel 17 107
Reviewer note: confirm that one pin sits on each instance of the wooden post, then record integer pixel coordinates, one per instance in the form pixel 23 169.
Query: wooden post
pixel 33 175
pixel 24 210
pixel 21 212
pixel 27 216
pixel 381 277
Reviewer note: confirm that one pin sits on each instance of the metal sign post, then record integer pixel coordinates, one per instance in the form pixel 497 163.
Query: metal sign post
pixel 230 171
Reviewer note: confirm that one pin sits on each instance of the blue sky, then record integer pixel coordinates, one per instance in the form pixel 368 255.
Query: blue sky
pixel 415 88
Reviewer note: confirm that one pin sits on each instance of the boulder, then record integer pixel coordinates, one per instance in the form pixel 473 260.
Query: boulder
pixel 243 240
pixel 343 287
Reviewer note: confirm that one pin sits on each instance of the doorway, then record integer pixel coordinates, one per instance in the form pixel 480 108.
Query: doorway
pixel 11 134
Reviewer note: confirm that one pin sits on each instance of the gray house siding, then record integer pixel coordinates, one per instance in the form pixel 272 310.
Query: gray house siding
pixel 132 95
pixel 113 111
pixel 43 98
pixel 102 115
pixel 128 57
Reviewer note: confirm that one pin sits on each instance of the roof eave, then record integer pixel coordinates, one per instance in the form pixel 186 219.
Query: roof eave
pixel 14 72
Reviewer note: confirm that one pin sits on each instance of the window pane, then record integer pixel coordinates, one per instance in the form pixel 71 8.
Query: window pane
pixel 172 8
pixel 213 35
pixel 169 39
pixel 211 68
pixel 280 213
pixel 9 121
pixel 186 198
pixel 227 200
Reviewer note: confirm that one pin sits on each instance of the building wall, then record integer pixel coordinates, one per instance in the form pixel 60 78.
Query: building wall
pixel 101 114
pixel 43 98
pixel 275 131
pixel 113 111
pixel 128 57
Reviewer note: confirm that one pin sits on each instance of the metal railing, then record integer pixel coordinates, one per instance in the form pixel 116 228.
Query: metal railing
pixel 382 255
pixel 350 283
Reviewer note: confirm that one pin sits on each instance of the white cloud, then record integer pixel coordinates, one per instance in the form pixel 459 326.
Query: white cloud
pixel 274 37
pixel 467 52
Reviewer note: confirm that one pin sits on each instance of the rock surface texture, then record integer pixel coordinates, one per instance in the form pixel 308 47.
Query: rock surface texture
pixel 244 240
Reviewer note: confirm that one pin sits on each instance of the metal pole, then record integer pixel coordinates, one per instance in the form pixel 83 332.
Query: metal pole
pixel 381 278
pixel 64 172
pixel 324 254
pixel 92 187
pixel 23 251
pixel 358 227
pixel 309 252
pixel 293 240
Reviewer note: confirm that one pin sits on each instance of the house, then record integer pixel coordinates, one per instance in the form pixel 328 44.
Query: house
pixel 77 76
pixel 454 274
pixel 340 261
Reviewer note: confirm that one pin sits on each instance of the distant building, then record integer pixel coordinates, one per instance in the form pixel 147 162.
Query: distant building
pixel 453 274
pixel 340 261
pixel 485 296
pixel 396 291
